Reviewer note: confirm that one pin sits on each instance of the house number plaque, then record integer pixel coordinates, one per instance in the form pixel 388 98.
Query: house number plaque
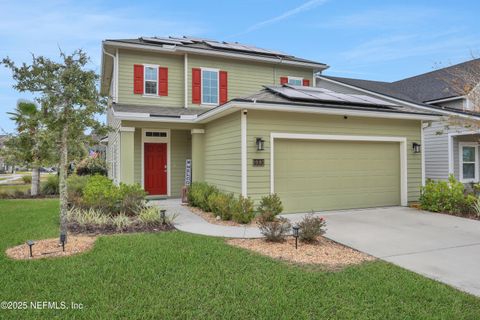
pixel 258 162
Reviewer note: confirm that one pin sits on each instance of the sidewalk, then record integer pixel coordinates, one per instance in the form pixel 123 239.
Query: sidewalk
pixel 189 222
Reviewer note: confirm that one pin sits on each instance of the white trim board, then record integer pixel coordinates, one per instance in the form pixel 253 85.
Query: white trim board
pixel 301 136
pixel 243 131
pixel 462 144
pixel 166 140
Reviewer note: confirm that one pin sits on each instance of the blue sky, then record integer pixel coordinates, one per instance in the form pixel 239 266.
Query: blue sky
pixel 380 40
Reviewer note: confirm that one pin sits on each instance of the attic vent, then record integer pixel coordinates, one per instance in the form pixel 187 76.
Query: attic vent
pixel 155 134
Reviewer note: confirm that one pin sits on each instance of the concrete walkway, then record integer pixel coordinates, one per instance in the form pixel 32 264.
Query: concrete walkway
pixel 192 223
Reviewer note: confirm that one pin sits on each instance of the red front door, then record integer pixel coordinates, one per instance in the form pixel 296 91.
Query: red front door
pixel 155 166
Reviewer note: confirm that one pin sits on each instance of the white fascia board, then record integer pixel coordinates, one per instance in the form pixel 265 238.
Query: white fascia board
pixel 182 50
pixel 334 111
pixel 448 113
pixel 232 106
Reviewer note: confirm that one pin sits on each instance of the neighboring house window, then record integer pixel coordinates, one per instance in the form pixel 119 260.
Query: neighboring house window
pixel 468 157
pixel 295 81
pixel 151 80
pixel 209 86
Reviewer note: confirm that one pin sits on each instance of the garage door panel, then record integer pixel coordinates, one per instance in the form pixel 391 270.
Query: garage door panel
pixel 325 175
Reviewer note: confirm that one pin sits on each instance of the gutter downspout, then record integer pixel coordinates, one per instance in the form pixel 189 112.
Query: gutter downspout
pixel 114 73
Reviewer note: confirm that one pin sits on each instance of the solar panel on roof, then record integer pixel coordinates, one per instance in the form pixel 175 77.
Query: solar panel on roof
pixel 161 40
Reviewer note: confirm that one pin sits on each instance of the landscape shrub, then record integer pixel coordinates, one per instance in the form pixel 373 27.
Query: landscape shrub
pixel 242 210
pixel 274 230
pixel 27 179
pixel 198 194
pixel 90 217
pixel 92 166
pixel 51 186
pixel 75 186
pixel 120 222
pixel 132 198
pixel 311 227
pixel 150 215
pixel 444 196
pixel 101 193
pixel 222 204
pixel 270 206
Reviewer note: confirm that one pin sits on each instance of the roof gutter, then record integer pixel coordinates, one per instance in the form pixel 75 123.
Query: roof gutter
pixel 176 49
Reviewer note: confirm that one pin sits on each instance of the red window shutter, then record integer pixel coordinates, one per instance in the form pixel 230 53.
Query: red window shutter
pixel 162 81
pixel 306 83
pixel 223 86
pixel 283 80
pixel 196 85
pixel 138 79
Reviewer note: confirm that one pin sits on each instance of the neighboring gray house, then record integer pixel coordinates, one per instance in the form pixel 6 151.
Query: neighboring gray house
pixel 451 146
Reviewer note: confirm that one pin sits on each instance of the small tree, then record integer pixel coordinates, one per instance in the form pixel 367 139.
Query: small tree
pixel 69 100
pixel 32 144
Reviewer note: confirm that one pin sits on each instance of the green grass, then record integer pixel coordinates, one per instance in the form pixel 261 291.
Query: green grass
pixel 177 275
pixel 12 188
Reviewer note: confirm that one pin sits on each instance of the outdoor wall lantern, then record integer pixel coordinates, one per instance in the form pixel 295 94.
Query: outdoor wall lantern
pixel 260 144
pixel 30 244
pixel 63 239
pixel 416 147
pixel 163 216
pixel 296 229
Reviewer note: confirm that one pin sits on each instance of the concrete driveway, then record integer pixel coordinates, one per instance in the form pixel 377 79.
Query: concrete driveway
pixel 441 247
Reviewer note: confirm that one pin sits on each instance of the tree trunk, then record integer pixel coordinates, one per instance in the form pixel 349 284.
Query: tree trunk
pixel 35 189
pixel 63 180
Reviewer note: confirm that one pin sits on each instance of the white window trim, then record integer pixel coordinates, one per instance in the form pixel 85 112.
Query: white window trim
pixel 295 78
pixel 218 86
pixel 145 66
pixel 460 161
pixel 166 140
pixel 403 154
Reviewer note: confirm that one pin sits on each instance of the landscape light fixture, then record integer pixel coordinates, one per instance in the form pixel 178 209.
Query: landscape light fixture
pixel 416 147
pixel 260 144
pixel 63 239
pixel 163 216
pixel 30 244
pixel 295 234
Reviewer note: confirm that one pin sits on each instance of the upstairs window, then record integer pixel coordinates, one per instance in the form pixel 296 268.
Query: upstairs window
pixel 151 80
pixel 209 86
pixel 295 81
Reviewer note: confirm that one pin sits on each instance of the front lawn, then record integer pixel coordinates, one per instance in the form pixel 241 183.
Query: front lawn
pixel 177 275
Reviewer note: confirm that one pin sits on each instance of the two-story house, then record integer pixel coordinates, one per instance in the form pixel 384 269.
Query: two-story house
pixel 252 122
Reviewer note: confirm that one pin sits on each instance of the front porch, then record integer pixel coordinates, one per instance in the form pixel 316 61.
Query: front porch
pixel 155 155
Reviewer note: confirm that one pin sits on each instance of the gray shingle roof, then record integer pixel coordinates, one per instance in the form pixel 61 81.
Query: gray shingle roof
pixel 213 45
pixel 443 83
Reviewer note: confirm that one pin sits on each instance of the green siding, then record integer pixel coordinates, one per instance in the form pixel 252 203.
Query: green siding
pixel 244 77
pixel 175 78
pixel 222 153
pixel 126 157
pixel 262 123
pixel 325 175
pixel 181 150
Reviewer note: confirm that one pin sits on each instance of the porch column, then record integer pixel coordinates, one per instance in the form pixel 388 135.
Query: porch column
pixel 198 155
pixel 127 154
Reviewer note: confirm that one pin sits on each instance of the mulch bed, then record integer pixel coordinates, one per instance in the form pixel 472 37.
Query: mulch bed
pixel 324 252
pixel 416 205
pixel 49 248
pixel 108 229
pixel 210 217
